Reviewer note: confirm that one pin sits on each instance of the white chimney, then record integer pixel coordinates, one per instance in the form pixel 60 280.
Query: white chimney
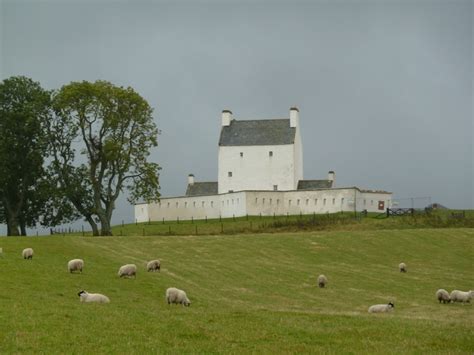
pixel 190 179
pixel 294 117
pixel 226 117
pixel 332 177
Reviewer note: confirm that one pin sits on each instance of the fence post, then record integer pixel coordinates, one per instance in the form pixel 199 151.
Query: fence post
pixel 192 220
pixel 149 221
pixel 247 216
pixel 220 218
pixel 163 220
pixel 36 233
pixel 82 230
pixel 206 219
pixel 388 212
pixel 122 223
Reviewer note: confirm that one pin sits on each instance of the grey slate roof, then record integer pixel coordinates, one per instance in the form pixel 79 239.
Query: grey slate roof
pixel 314 184
pixel 202 189
pixel 257 132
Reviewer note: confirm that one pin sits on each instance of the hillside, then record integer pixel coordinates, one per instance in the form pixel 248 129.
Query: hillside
pixel 249 293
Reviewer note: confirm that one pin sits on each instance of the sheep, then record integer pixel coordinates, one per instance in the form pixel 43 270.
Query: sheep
pixel 381 308
pixel 153 265
pixel 461 296
pixel 27 253
pixel 92 297
pixel 176 296
pixel 128 270
pixel 322 281
pixel 443 296
pixel 75 265
pixel 402 267
pixel 1 251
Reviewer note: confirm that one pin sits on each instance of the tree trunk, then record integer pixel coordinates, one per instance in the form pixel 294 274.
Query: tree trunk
pixel 95 229
pixel 105 229
pixel 22 226
pixel 13 226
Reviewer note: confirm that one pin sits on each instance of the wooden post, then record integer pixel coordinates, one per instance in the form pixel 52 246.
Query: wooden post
pixel 163 220
pixel 192 220
pixel 82 230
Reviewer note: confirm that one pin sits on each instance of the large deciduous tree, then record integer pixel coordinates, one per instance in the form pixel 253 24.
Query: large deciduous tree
pixel 101 138
pixel 24 111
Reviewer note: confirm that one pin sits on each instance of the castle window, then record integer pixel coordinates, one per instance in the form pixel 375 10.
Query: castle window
pixel 212 203
pixel 315 201
pixel 333 201
pixel 342 201
pixel 237 201
pixel 202 203
pixel 232 201
pixel 177 204
pixel 275 187
pixel 230 191
pixel 298 202
pixel 278 201
pixel 371 202
pixel 270 201
pixel 365 202
pixel 241 154
pixel 194 204
pixel 270 153
pixel 168 205
pixel 185 204
pixel 289 202
pixel 256 200
pixel 307 201
pixel 324 202
pixel 229 174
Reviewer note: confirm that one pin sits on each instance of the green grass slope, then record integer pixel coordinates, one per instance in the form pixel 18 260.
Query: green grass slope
pixel 249 293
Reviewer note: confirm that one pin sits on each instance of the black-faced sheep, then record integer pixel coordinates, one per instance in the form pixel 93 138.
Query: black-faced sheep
pixel 381 308
pixel 27 253
pixel 443 296
pixel 322 281
pixel 402 267
pixel 93 297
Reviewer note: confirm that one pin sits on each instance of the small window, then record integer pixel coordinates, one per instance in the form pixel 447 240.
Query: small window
pixel 315 201
pixel 212 203
pixel 230 191
pixel 270 153
pixel 263 201
pixel 298 202
pixel 365 202
pixel 307 201
pixel 256 200
pixel 371 202
pixel 168 205
pixel 289 202
pixel 237 201
pixel 232 201
pixel 202 203
pixel 342 201
pixel 142 210
pixel 270 201
pixel 177 204
pixel 275 187
pixel 324 202
pixel 333 201
pixel 229 174
pixel 278 201
pixel 241 154
pixel 194 204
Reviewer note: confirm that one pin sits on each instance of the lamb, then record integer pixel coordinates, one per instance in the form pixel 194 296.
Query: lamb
pixel 75 265
pixel 461 296
pixel 153 265
pixel 381 308
pixel 402 267
pixel 322 281
pixel 93 297
pixel 128 270
pixel 27 253
pixel 443 296
pixel 176 296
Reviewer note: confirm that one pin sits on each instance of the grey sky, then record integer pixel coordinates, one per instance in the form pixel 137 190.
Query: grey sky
pixel 384 87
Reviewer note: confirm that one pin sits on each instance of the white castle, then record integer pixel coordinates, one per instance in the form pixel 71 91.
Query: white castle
pixel 260 171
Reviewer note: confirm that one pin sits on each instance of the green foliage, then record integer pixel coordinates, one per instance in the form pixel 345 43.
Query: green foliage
pixel 115 130
pixel 249 294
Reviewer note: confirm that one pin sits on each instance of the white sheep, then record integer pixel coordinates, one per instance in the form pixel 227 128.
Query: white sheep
pixel 93 297
pixel 402 267
pixel 153 265
pixel 128 270
pixel 322 281
pixel 27 253
pixel 443 296
pixel 176 296
pixel 461 296
pixel 75 265
pixel 1 251
pixel 381 308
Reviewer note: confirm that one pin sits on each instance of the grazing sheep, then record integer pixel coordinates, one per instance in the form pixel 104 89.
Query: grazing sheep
pixel 128 270
pixel 381 308
pixel 93 297
pixel 461 296
pixel 402 267
pixel 153 265
pixel 176 296
pixel 443 296
pixel 75 265
pixel 322 281
pixel 1 251
pixel 27 253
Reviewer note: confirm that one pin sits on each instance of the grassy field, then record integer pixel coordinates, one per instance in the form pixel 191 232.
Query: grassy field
pixel 249 293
